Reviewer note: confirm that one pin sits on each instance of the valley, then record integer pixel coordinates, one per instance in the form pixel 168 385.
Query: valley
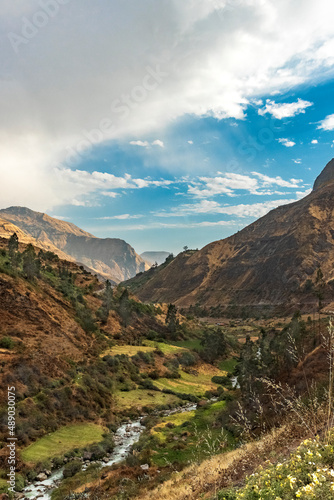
pixel 120 398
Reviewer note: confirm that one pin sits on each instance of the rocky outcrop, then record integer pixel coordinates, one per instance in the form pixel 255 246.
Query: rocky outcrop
pixel 326 176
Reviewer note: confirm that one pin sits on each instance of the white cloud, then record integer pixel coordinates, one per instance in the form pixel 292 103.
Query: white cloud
pixel 278 181
pixel 121 217
pixel 229 183
pixel 254 210
pixel 143 144
pixel 284 110
pixel 114 77
pixel 169 225
pixel 225 184
pixel 327 123
pixel 315 141
pixel 287 143
pixel 190 142
pixel 297 161
pixel 159 143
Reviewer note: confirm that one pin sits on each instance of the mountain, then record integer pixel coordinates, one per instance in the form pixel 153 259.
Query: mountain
pixel 266 264
pixel 155 257
pixel 111 257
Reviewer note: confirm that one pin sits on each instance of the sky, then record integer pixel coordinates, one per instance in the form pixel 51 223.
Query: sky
pixel 165 123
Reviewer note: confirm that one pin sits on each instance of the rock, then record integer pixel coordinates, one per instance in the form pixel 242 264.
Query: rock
pixel 87 455
pixel 145 467
pixel 41 477
pixel 105 460
pixel 47 472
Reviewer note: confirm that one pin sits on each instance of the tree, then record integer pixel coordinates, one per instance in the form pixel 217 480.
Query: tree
pixel 31 264
pixel 185 248
pixel 125 307
pixel 13 246
pixel 171 320
pixel 214 345
pixel 108 297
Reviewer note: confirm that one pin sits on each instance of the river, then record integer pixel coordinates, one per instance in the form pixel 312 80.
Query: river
pixel 125 437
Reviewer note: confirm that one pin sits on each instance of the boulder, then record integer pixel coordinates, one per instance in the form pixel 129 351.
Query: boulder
pixel 41 477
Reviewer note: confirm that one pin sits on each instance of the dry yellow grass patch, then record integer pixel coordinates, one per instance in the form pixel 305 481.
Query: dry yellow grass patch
pixel 188 484
pixel 204 480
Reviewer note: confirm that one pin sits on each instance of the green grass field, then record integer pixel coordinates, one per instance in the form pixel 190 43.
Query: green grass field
pixel 59 442
pixel 195 385
pixel 129 350
pixel 165 348
pixel 189 344
pixel 142 397
pixel 228 365
pixel 192 436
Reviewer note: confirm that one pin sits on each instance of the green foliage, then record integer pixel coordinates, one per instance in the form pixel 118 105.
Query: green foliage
pixel 47 256
pixel 124 307
pixel 308 473
pixel 13 246
pixel 6 343
pixel 108 300
pixel 188 358
pixel 171 320
pixel 31 264
pixel 225 381
pixel 72 468
pixel 214 345
pixel 86 319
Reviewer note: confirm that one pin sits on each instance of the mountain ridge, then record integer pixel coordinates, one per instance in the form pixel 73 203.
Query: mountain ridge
pixel 111 258
pixel 266 263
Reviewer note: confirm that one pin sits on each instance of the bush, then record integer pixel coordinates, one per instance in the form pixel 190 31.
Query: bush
pixel 225 381
pixel 6 343
pixel 72 468
pixel 187 359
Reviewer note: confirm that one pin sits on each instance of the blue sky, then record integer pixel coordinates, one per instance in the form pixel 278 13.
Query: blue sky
pixel 173 125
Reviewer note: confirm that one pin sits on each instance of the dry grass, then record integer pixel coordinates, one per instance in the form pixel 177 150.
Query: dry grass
pixel 205 480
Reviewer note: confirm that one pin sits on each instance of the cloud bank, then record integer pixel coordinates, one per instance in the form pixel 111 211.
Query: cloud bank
pixel 84 73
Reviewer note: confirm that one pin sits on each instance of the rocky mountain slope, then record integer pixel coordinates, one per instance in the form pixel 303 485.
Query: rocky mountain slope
pixel 267 263
pixel 111 257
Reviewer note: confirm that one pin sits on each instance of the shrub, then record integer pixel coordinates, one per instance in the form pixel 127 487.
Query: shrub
pixel 6 343
pixel 72 468
pixel 187 358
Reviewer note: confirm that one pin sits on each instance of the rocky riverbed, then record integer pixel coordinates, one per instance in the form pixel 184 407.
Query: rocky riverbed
pixel 125 437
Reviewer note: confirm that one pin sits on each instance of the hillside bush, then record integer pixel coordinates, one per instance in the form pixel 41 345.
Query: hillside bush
pixel 6 343
pixel 308 473
pixel 72 468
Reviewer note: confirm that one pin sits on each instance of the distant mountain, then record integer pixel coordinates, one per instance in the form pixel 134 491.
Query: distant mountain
pixel 266 264
pixel 111 257
pixel 155 257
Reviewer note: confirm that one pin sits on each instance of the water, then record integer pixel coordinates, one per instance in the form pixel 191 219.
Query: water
pixel 125 437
